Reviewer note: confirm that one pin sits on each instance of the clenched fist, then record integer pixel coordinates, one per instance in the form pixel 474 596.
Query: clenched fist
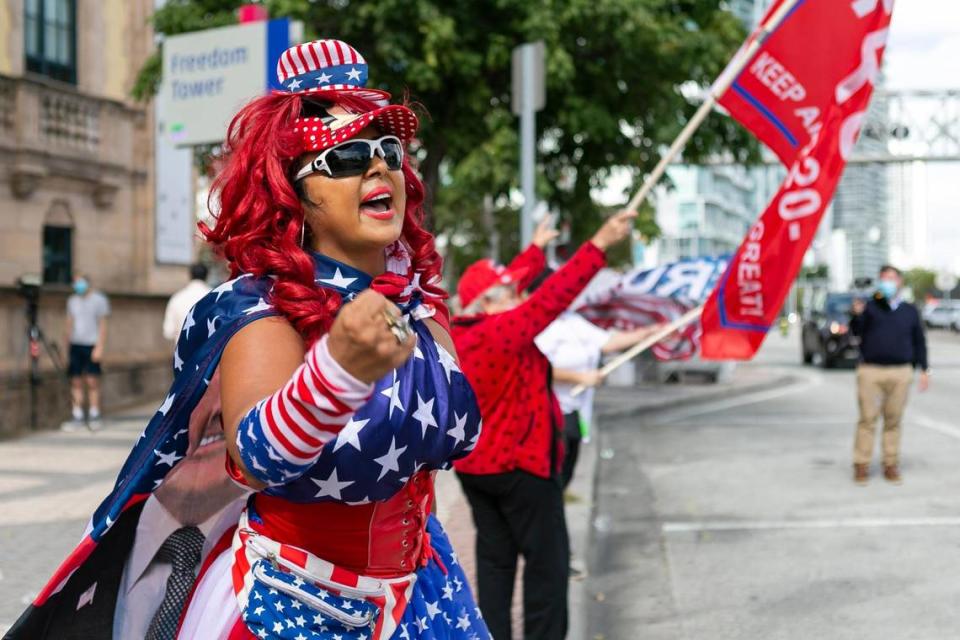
pixel 361 339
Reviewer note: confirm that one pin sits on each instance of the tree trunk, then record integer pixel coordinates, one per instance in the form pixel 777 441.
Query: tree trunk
pixel 490 224
pixel 430 173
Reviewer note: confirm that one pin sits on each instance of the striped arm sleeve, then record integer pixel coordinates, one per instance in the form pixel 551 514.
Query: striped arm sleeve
pixel 281 437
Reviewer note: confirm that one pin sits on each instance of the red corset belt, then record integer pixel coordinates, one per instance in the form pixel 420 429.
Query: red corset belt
pixel 382 539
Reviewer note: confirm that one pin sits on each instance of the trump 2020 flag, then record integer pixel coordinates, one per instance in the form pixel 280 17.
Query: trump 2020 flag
pixel 805 95
pixel 644 297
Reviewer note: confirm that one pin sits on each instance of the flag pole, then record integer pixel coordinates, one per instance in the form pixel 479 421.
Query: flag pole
pixel 719 87
pixel 645 344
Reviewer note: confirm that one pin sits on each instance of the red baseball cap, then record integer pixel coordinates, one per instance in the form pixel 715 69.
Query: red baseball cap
pixel 482 275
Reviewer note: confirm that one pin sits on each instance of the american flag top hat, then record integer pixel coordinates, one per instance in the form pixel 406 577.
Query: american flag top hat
pixel 327 71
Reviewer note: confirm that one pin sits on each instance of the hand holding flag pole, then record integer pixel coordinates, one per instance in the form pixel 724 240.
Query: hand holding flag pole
pixel 719 87
pixel 643 345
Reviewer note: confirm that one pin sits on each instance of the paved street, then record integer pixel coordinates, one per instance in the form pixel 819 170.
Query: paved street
pixel 727 512
pixel 737 518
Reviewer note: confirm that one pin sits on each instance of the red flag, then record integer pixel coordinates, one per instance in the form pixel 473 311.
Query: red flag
pixel 805 95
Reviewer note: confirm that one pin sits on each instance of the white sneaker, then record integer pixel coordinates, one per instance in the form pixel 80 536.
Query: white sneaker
pixel 71 426
pixel 95 423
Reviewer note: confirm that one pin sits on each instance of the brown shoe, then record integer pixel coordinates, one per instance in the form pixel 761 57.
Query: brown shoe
pixel 892 474
pixel 861 472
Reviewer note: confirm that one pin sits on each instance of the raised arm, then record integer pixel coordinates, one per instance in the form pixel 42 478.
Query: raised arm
pixel 533 259
pixel 559 291
pixel 282 403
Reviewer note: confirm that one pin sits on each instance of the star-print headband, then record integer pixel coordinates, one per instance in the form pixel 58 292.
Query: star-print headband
pixel 326 70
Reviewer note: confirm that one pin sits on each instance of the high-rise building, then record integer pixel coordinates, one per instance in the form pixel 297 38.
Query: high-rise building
pixel 860 203
pixel 707 212
pixel 907 215
pixel 745 10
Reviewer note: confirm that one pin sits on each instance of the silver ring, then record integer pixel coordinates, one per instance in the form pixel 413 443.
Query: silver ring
pixel 399 327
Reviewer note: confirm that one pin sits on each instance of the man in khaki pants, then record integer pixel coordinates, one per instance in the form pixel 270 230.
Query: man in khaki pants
pixel 892 345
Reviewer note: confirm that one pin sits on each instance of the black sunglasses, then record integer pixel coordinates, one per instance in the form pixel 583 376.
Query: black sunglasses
pixel 353 157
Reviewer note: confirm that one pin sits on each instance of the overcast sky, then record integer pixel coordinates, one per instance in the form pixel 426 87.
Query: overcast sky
pixel 924 53
pixel 924 46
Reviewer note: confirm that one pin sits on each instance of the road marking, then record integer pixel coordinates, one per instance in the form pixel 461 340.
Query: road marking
pixel 945 428
pixel 825 523
pixel 773 420
pixel 810 380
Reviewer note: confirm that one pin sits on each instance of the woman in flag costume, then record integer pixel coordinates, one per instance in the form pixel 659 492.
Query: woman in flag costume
pixel 341 395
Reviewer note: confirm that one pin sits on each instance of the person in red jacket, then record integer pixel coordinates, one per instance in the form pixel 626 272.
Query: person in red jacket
pixel 511 479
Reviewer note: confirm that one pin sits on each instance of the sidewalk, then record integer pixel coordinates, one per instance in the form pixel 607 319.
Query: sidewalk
pixel 454 512
pixel 50 483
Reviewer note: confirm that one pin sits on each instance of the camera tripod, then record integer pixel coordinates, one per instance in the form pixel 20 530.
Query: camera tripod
pixel 35 341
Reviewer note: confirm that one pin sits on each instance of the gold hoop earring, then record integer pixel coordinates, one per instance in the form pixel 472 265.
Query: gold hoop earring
pixel 303 233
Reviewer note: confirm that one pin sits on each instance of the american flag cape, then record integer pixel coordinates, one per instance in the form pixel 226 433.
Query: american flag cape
pixel 645 297
pixel 205 333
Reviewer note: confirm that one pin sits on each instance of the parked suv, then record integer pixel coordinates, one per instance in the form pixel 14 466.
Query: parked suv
pixel 944 315
pixel 826 339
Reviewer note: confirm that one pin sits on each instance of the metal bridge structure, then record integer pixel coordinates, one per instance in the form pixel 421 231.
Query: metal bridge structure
pixel 912 125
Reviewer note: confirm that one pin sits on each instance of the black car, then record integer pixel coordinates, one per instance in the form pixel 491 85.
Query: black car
pixel 826 339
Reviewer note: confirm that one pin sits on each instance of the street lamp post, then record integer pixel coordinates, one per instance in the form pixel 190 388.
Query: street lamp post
pixel 529 96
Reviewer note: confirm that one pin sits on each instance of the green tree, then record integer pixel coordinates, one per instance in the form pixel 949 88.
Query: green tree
pixel 921 281
pixel 615 69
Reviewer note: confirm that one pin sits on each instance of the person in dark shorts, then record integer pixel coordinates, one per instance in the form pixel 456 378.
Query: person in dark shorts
pixel 86 333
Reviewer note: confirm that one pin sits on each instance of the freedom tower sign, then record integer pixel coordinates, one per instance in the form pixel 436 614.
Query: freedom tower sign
pixel 207 76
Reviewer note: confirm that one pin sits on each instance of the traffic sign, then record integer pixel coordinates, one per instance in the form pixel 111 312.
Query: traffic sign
pixel 945 281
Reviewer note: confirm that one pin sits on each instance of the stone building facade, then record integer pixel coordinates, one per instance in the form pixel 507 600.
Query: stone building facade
pixel 77 194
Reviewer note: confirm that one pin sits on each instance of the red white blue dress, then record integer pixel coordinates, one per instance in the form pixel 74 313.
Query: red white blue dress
pixel 347 550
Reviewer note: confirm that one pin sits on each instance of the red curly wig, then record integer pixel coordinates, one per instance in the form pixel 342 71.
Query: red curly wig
pixel 258 227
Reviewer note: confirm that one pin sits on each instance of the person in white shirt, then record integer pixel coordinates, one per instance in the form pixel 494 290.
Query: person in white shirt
pixel 85 332
pixel 183 300
pixel 574 347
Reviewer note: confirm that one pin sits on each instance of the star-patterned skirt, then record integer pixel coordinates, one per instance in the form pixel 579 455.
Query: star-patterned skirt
pixel 440 605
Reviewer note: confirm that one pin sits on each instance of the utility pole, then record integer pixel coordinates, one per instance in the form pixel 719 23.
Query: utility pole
pixel 529 96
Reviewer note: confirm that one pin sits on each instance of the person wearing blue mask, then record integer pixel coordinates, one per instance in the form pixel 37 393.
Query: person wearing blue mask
pixel 892 346
pixel 85 333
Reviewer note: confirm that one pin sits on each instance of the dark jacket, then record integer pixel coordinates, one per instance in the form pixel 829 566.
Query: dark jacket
pixel 890 336
pixel 84 608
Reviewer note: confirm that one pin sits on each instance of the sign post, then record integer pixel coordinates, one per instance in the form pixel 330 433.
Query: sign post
pixel 529 96
pixel 946 282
